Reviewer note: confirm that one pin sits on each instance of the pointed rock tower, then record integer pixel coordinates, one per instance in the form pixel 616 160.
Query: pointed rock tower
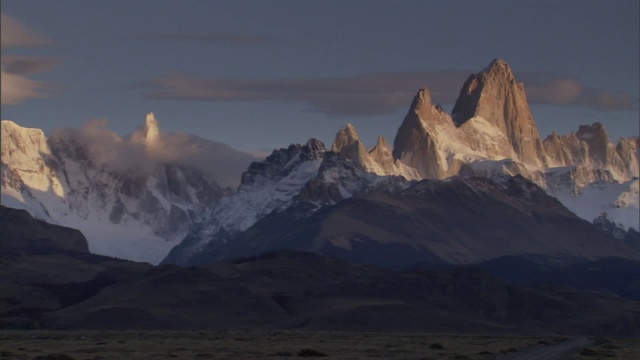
pixel 382 156
pixel 149 134
pixel 347 143
pixel 417 144
pixel 378 161
pixel 494 95
pixel 152 133
pixel 346 136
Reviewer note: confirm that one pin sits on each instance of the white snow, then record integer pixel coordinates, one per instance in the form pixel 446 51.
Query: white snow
pixel 618 200
pixel 242 209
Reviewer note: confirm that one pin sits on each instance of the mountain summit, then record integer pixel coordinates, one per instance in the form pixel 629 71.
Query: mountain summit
pixel 151 129
pixel 149 133
pixel 494 95
pixel 491 120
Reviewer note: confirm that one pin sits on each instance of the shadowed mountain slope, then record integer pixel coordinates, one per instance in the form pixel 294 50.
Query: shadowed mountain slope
pixel 457 221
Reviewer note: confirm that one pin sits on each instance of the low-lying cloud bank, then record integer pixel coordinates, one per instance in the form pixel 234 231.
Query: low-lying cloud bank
pixel 132 154
pixel 374 94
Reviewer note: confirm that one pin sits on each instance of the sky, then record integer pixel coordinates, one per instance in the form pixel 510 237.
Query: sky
pixel 259 75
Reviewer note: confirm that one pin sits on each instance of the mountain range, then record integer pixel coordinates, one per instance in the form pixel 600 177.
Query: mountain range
pixel 456 188
pixel 359 203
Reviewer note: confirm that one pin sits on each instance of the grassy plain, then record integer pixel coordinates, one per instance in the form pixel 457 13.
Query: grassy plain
pixel 249 345
pixel 605 348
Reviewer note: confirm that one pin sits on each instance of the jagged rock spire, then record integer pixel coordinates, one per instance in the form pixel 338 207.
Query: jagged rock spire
pixel 151 131
pixel 494 95
pixel 416 143
pixel 149 134
pixel 346 136
pixel 381 146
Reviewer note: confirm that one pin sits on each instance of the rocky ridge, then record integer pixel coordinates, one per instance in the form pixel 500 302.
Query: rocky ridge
pixel 298 180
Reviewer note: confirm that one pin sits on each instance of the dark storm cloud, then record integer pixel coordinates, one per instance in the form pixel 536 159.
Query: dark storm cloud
pixel 212 38
pixel 373 94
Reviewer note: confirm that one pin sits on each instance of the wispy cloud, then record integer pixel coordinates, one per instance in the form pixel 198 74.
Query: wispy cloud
pixel 376 93
pixel 212 38
pixel 23 65
pixel 13 33
pixel 359 95
pixel 16 87
pixel 562 90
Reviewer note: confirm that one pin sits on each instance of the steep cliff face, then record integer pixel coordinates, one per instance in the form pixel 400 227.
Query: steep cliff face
pixel 491 121
pixel 430 142
pixel 494 96
pixel 417 144
pixel 28 164
pixel 125 213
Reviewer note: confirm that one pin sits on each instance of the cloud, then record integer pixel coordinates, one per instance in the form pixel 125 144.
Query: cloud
pixel 372 94
pixel 604 100
pixel 132 155
pixel 23 65
pixel 212 38
pixel 14 33
pixel 368 94
pixel 559 90
pixel 17 88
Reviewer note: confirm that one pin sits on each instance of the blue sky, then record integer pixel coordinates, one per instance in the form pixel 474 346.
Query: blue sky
pixel 263 74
